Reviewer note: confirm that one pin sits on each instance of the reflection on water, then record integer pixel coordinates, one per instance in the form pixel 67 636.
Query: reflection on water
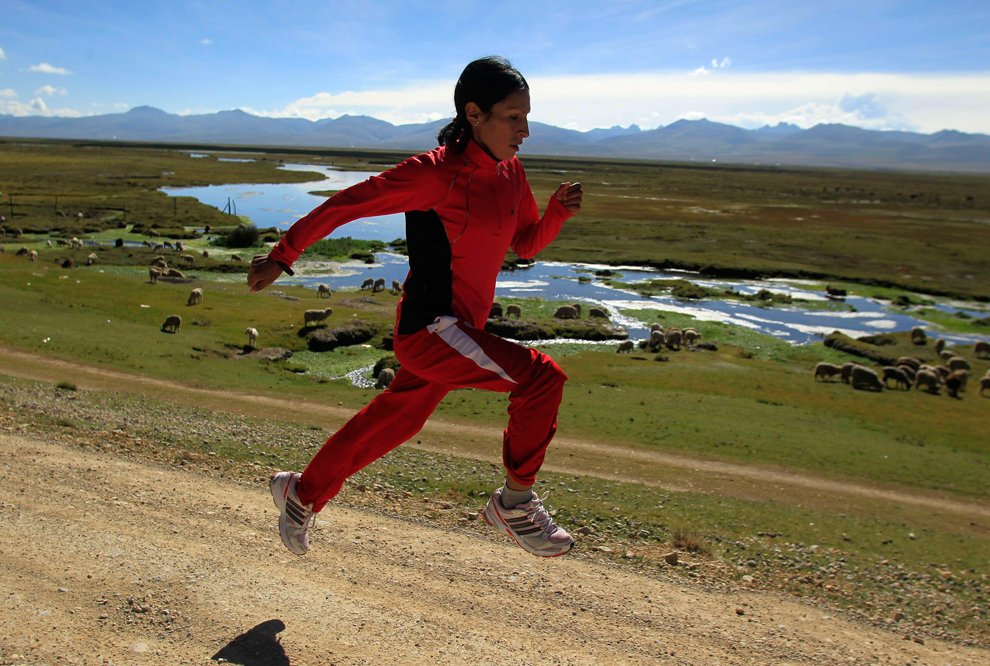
pixel 558 282
pixel 281 204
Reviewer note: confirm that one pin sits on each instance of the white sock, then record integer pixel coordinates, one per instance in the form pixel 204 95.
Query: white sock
pixel 512 498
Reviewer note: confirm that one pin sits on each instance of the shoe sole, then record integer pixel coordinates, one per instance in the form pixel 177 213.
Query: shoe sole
pixel 502 526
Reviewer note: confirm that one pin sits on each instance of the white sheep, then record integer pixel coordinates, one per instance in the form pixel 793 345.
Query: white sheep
pixel 252 334
pixel 236 257
pixel 600 313
pixel 657 340
pixel 385 377
pixel 33 255
pixel 146 244
pixel 158 247
pixel 48 243
pixel 898 375
pixel 909 371
pixel 168 245
pixel 316 316
pixel 939 345
pixel 179 247
pixel 91 259
pixel 673 338
pixel 3 248
pixel 918 336
pixel 172 322
pixel 379 285
pixel 513 309
pixel 958 363
pixel 577 308
pixel 368 284
pixel 396 287
pixel 691 336
pixel 656 327
pixel 154 273
pixel 323 290
pixel 827 370
pixel 909 360
pixel 625 346
pixel 195 296
pixel 928 381
pixel 865 378
pixel 982 349
pixel 566 312
pixel 945 355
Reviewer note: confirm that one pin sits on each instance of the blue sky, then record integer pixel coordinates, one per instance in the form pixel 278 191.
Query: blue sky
pixel 884 65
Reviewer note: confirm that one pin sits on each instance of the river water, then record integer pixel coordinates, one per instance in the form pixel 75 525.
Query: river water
pixel 280 205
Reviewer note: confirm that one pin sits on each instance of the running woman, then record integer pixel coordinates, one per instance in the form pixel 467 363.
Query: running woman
pixel 466 203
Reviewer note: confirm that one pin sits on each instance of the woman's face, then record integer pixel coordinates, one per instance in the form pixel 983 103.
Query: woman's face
pixel 501 131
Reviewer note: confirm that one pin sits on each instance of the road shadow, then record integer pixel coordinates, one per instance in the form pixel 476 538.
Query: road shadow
pixel 258 646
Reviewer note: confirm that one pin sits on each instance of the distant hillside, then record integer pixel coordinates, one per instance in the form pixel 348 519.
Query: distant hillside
pixel 697 140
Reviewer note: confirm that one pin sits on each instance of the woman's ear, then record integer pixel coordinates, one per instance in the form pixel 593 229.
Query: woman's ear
pixel 474 114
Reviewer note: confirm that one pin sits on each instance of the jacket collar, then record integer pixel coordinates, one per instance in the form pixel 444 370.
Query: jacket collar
pixel 477 154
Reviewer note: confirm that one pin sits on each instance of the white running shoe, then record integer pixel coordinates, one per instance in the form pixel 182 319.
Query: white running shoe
pixel 296 518
pixel 530 525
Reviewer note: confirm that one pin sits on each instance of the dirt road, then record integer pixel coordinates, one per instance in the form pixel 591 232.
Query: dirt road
pixel 103 559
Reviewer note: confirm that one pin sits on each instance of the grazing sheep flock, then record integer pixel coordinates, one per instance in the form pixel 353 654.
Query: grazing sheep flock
pixel 908 371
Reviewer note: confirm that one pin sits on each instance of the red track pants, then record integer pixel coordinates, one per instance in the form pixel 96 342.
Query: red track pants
pixel 443 356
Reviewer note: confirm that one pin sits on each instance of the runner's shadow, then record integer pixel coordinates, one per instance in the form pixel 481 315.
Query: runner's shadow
pixel 258 646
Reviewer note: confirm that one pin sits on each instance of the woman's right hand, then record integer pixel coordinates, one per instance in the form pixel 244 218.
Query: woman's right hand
pixel 263 272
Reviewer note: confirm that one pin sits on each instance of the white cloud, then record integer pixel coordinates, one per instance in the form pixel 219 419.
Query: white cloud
pixel 45 68
pixel 36 107
pixel 701 71
pixel 3 56
pixel 95 104
pixel 726 61
pixel 7 92
pixel 121 105
pixel 50 91
pixel 206 42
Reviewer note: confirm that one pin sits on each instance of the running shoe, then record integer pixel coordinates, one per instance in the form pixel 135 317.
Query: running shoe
pixel 296 518
pixel 530 525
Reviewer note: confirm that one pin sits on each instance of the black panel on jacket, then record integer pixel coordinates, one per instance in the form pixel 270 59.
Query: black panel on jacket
pixel 428 290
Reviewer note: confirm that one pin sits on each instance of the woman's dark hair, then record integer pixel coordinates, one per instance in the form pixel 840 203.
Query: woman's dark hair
pixel 486 82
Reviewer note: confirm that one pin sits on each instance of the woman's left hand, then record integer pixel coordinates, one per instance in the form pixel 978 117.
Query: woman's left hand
pixel 570 194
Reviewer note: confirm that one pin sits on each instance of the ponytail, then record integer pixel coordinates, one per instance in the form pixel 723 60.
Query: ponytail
pixel 485 82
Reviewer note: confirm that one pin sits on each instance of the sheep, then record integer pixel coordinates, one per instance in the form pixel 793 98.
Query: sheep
pixel 909 371
pixel 158 247
pixel 48 243
pixel 577 308
pixel 656 327
pixel 984 384
pixel 172 322
pixel 513 310
pixel 625 346
pixel 379 286
pixel 835 292
pixel 945 355
pixel 396 287
pixel 187 258
pixel 179 247
pixel 252 334
pixel 195 296
pixel 691 336
pixel 827 370
pixel 908 360
pixel 323 290
pixel 918 336
pixel 77 244
pixel 79 216
pixel 154 273
pixel 496 310
pixel 146 244
pixel 982 349
pixel 68 263
pixel 18 233
pixel 942 372
pixel 168 245
pixel 899 377
pixel 61 242
pixel 23 252
pixel 119 242
pixel 673 338
pixel 33 255
pixel 657 341
pixel 385 378
pixel 566 312
pixel 315 316
pixel 91 259
pixel 160 263
pixel 958 363
pixel 368 284
pixel 3 248
pixel 955 383
pixel 939 345
pixel 928 381
pixel 598 313
pixel 863 378
pixel 174 273
pixel 236 257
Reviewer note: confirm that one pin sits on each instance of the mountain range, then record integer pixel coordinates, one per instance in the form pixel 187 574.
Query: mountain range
pixel 685 140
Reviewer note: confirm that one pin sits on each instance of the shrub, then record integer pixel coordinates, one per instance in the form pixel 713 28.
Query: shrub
pixel 68 386
pixel 245 235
